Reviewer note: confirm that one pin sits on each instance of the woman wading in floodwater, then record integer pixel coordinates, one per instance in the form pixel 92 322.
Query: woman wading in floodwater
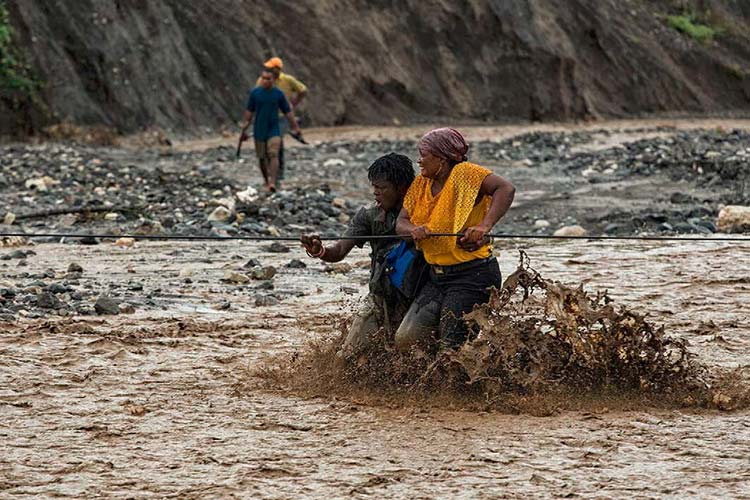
pixel 451 195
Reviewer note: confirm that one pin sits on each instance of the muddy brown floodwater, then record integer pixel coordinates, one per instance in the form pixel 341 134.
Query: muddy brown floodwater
pixel 155 404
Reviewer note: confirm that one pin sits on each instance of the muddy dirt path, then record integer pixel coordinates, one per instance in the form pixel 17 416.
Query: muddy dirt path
pixel 156 404
pixel 624 129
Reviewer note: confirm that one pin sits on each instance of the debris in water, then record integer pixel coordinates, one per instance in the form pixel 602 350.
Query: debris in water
pixel 535 338
pixel 535 334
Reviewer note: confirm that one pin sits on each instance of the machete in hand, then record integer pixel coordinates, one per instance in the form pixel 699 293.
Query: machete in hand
pixel 239 147
pixel 298 137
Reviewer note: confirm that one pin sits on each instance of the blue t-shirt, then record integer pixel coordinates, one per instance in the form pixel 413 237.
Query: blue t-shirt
pixel 265 104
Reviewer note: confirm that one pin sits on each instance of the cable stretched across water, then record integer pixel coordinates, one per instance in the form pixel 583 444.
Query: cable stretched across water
pixel 175 237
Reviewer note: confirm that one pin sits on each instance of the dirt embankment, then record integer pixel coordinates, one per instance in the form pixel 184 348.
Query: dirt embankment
pixel 183 65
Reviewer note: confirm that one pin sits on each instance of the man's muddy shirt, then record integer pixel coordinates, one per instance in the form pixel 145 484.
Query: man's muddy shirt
pixel 371 220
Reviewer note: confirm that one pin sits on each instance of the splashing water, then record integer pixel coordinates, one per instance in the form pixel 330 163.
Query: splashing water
pixel 535 338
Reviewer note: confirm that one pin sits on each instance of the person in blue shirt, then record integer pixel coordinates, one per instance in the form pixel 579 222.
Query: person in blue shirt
pixel 264 104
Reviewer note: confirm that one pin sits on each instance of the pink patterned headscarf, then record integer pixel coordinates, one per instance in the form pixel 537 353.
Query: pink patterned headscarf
pixel 445 143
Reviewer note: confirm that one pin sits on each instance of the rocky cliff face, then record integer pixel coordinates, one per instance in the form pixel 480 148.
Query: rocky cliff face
pixel 175 64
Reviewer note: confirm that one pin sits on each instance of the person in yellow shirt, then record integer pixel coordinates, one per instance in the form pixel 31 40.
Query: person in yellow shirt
pixel 295 92
pixel 451 195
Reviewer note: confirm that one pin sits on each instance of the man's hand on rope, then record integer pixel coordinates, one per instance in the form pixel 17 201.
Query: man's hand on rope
pixel 313 245
pixel 419 233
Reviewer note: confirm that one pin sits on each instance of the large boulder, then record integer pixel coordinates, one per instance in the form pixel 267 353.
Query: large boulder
pixel 734 219
pixel 575 231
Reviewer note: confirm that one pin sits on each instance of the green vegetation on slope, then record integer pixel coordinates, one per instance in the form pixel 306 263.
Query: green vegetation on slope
pixel 688 25
pixel 14 73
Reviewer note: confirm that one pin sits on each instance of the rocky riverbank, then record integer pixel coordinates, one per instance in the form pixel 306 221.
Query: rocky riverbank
pixel 643 181
pixel 650 180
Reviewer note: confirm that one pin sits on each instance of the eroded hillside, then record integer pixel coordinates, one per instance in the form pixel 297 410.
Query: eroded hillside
pixel 182 65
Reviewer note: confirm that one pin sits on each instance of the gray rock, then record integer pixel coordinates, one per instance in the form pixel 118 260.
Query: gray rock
pixel 265 285
pixel 699 212
pixel 48 300
pixel 252 227
pixel 682 198
pixel 707 224
pixel 168 221
pixel 107 305
pixel 655 217
pixel 277 247
pixel 266 300
pixel 251 264
pixel 15 254
pixel 296 264
pixel 57 288
pixel 88 240
pixel 685 227
pixel 75 268
pixel 263 273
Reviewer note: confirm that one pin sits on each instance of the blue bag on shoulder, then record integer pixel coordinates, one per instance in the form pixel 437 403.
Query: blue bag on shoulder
pixel 405 268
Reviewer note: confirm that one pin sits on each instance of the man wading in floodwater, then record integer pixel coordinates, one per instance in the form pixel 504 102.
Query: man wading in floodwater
pixel 390 177
pixel 264 103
